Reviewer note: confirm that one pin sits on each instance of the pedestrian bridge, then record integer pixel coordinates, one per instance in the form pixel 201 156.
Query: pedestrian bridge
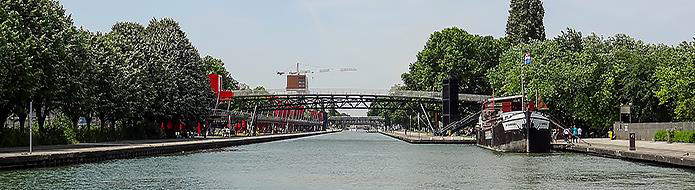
pixel 274 99
pixel 350 120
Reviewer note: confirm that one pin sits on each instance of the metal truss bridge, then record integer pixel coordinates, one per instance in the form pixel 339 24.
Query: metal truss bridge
pixel 351 120
pixel 321 99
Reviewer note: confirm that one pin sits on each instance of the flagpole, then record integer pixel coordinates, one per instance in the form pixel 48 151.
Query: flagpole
pixel 527 114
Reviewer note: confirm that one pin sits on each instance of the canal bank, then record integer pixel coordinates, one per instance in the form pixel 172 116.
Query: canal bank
pixel 15 158
pixel 676 154
pixel 426 138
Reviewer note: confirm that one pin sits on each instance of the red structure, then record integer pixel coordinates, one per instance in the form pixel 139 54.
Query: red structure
pixel 216 85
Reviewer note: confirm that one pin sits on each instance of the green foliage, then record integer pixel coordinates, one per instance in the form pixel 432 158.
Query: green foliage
pixel 525 21
pixel 183 89
pixel 391 117
pixel 586 79
pixel 58 131
pixel 684 136
pixel 677 80
pixel 455 52
pixel 40 50
pixel 216 66
pixel 133 77
pixel 661 135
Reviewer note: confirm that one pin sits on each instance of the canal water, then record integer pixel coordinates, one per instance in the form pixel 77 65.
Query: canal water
pixel 354 160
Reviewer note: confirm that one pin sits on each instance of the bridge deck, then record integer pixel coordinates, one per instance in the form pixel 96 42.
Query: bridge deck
pixel 355 92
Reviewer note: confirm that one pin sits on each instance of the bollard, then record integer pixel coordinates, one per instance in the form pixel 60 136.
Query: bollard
pixel 632 141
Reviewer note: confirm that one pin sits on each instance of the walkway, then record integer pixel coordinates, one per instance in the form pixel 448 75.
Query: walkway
pixel 18 157
pixel 682 154
pixel 427 138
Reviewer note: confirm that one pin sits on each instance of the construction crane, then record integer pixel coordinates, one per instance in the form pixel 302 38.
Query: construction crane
pixel 296 80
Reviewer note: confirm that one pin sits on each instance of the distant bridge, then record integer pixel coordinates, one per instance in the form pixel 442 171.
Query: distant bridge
pixel 350 120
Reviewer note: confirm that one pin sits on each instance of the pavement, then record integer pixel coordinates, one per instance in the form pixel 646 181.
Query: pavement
pixel 427 138
pixel 9 152
pixel 682 154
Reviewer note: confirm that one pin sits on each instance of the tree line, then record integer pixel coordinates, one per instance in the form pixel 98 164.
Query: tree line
pixel 134 75
pixel 583 78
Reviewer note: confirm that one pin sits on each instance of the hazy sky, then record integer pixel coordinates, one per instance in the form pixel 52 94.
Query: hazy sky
pixel 256 39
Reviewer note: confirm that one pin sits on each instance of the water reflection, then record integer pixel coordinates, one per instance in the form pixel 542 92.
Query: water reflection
pixel 354 160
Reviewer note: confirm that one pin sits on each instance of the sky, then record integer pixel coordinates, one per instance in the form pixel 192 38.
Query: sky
pixel 379 38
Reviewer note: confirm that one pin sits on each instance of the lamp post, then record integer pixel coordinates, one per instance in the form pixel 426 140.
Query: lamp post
pixel 31 112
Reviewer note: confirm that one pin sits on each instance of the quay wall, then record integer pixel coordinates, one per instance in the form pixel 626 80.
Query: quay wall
pixel 642 156
pixel 428 139
pixel 646 131
pixel 138 150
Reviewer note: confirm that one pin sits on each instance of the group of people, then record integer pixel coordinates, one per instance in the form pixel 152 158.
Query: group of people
pixel 572 134
pixel 569 134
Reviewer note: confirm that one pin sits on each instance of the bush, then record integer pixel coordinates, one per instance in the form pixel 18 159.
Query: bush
pixel 14 137
pixel 661 135
pixel 684 136
pixel 58 131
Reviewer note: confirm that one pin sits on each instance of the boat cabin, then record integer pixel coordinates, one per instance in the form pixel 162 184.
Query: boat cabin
pixel 506 104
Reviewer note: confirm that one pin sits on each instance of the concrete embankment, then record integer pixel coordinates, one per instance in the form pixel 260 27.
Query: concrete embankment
pixel 48 156
pixel 424 138
pixel 677 154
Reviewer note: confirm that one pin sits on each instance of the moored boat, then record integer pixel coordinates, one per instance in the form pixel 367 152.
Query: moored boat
pixel 502 126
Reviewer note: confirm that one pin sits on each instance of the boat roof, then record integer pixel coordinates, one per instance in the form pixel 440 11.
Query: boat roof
pixel 504 98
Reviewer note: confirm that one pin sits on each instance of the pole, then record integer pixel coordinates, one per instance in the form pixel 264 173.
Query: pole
pixel 418 126
pixel 524 107
pixel 31 111
pixel 410 123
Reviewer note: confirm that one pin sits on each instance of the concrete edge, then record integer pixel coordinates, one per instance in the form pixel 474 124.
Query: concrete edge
pixel 426 141
pixel 79 157
pixel 629 155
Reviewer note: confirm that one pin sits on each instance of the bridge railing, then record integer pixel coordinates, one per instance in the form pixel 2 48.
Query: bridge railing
pixel 344 91
pixel 348 91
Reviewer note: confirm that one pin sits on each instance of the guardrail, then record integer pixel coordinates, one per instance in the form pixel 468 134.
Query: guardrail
pixel 348 91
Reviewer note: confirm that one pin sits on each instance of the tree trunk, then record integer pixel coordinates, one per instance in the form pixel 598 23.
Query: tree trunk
pixel 3 118
pixel 75 120
pixel 113 128
pixel 102 117
pixel 41 117
pixel 88 118
pixel 22 120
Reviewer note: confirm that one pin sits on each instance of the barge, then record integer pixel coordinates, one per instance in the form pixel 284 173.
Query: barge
pixel 502 126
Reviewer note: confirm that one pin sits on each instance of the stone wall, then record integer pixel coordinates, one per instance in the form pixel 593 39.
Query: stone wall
pixel 645 131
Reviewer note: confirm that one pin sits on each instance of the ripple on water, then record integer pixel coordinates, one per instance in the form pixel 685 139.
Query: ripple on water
pixel 353 160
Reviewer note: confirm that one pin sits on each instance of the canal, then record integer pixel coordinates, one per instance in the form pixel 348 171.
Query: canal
pixel 354 160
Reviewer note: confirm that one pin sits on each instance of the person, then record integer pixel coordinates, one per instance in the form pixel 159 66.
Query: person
pixel 579 132
pixel 566 133
pixel 574 134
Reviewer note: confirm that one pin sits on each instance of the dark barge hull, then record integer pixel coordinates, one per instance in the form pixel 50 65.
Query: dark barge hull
pixel 515 140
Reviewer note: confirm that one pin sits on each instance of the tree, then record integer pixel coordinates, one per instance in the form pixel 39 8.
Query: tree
pixel 676 80
pixel 525 21
pixel 15 69
pixel 78 98
pixel 455 52
pixel 135 90
pixel 570 40
pixel 44 50
pixel 585 81
pixel 216 66
pixel 183 88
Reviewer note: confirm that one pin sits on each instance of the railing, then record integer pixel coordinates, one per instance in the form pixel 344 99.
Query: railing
pixel 348 91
